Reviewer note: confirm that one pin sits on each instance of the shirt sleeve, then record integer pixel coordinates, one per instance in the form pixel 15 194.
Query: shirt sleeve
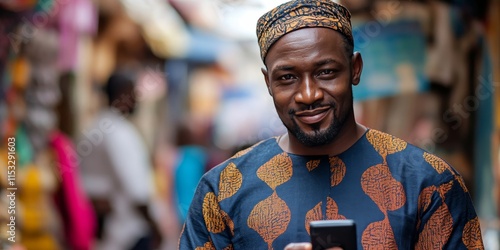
pixel 206 223
pixel 448 218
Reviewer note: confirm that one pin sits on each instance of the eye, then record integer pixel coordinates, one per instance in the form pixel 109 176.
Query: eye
pixel 326 72
pixel 287 77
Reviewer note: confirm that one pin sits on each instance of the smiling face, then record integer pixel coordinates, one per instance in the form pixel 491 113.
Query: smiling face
pixel 310 76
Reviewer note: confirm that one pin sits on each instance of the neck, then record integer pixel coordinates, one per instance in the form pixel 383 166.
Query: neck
pixel 350 132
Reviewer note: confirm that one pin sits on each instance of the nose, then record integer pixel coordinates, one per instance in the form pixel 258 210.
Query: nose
pixel 309 92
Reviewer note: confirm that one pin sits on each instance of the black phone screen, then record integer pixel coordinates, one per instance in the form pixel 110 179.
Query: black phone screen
pixel 333 233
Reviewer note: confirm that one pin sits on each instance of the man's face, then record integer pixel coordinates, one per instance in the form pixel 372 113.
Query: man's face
pixel 309 75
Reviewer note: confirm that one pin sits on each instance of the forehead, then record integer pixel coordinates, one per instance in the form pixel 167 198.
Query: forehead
pixel 307 44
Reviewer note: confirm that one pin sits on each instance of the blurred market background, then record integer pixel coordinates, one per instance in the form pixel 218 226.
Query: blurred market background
pixel 431 76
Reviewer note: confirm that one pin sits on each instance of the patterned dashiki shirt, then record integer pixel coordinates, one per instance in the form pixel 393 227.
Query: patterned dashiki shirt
pixel 399 196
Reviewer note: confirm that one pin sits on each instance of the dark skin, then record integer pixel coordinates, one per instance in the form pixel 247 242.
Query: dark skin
pixel 310 75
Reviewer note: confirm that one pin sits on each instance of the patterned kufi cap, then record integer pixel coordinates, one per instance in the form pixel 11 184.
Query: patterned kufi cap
pixel 298 14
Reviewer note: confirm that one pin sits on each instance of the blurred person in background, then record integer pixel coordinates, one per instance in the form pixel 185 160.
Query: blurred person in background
pixel 117 172
pixel 327 166
pixel 191 162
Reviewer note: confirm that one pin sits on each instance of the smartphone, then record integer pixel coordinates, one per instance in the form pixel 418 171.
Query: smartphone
pixel 333 233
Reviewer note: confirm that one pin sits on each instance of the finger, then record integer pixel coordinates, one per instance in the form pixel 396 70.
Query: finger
pixel 299 246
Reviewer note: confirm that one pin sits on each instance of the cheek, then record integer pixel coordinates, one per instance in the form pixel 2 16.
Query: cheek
pixel 282 103
pixel 345 100
pixel 340 93
pixel 282 96
pixel 337 86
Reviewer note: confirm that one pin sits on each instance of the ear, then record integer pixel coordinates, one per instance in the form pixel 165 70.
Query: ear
pixel 266 78
pixel 357 67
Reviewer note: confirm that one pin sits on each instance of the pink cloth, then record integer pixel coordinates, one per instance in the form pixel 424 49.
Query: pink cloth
pixel 78 213
pixel 77 18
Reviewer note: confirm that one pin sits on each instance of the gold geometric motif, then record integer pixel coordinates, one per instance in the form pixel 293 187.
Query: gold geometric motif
pixel 389 195
pixel 230 181
pixel 461 182
pixel 379 235
pixel 337 167
pixel 312 164
pixel 312 215
pixel 276 171
pixel 437 163
pixel 332 213
pixel 208 246
pixel 227 220
pixel 424 200
pixel 471 236
pixel 292 15
pixel 445 188
pixel 212 214
pixel 440 166
pixel 437 230
pixel 230 247
pixel 385 144
pixel 382 188
pixel 332 210
pixel 270 218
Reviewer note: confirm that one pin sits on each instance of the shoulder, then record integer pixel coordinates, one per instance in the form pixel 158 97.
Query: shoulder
pixel 269 145
pixel 405 157
pixel 243 160
pixel 385 143
pixel 388 145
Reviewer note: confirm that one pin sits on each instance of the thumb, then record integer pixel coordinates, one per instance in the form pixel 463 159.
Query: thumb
pixel 299 246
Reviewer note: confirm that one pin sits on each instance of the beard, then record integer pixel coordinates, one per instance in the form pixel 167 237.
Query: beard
pixel 318 137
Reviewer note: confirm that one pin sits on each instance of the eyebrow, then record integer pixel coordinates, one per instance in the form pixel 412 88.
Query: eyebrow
pixel 326 61
pixel 317 64
pixel 284 67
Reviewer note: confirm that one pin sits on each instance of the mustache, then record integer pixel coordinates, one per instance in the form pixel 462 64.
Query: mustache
pixel 312 107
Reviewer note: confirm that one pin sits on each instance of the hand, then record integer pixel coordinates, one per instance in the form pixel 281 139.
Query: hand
pixel 305 246
pixel 299 246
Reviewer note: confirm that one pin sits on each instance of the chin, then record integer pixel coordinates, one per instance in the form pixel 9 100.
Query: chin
pixel 315 138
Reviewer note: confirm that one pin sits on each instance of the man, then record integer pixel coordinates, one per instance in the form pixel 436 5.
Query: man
pixel 117 174
pixel 326 166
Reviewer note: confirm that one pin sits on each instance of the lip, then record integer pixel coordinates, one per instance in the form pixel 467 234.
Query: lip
pixel 313 116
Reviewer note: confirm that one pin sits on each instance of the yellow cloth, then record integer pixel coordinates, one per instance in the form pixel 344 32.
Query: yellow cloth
pixel 38 221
